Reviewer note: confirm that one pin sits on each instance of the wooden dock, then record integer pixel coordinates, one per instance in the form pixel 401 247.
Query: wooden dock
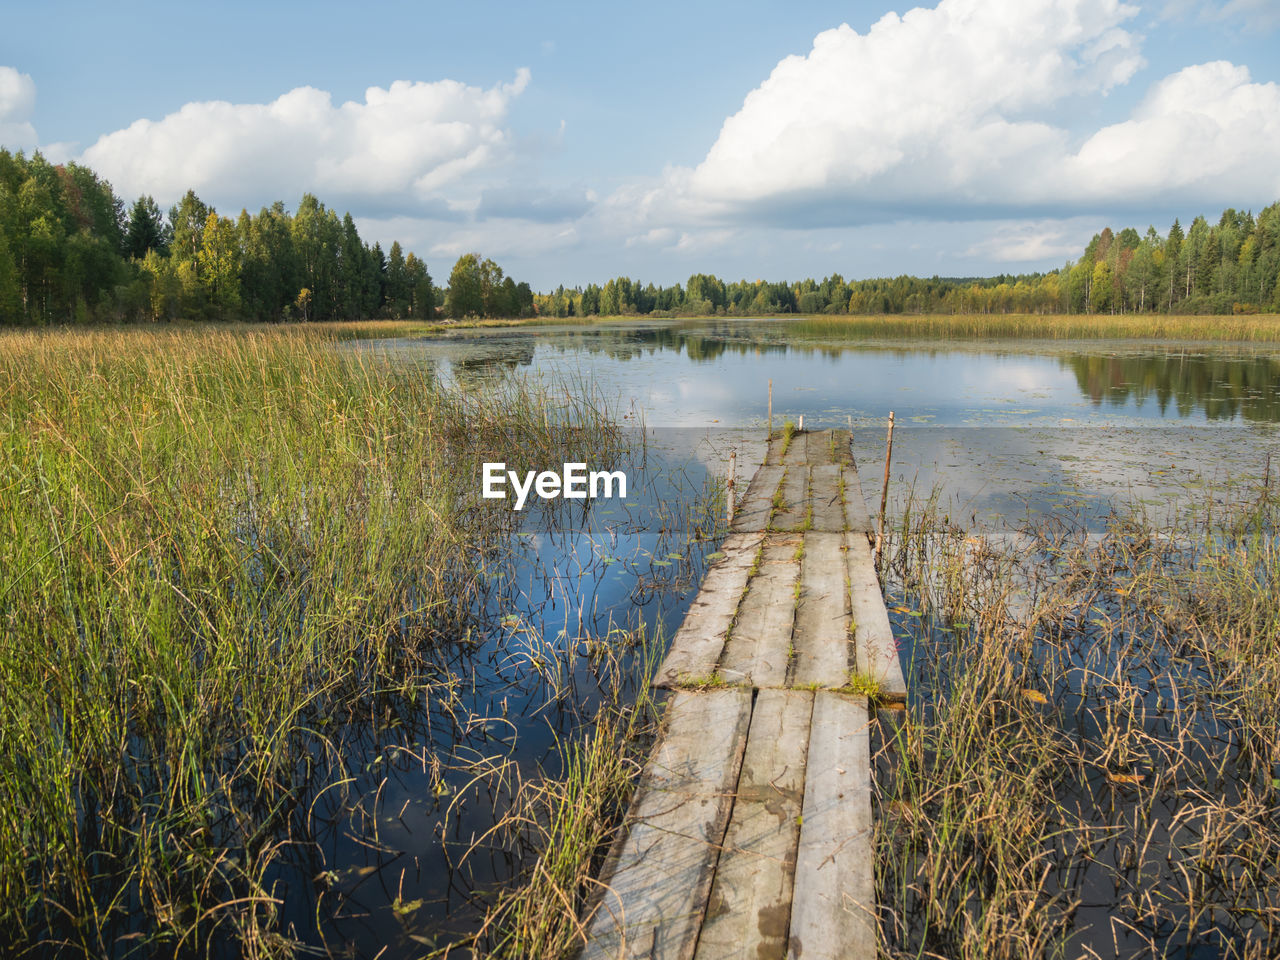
pixel 750 832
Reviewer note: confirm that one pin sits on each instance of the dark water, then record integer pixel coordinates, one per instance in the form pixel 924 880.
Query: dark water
pixel 398 862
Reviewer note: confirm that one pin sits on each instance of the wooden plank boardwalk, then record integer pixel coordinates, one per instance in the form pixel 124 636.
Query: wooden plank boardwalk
pixel 750 832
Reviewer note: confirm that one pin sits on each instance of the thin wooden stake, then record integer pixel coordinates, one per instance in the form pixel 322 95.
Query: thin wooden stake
pixel 770 409
pixel 884 493
pixel 732 482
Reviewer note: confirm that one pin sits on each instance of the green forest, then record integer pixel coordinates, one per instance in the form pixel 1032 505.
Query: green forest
pixel 72 251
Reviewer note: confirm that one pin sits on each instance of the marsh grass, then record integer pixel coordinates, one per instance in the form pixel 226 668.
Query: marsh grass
pixel 1255 328
pixel 1091 764
pixel 381 329
pixel 569 821
pixel 218 551
pixel 1258 327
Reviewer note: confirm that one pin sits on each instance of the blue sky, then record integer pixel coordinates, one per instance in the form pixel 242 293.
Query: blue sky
pixel 573 142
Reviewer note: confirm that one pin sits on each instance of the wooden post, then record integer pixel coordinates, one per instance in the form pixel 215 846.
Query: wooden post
pixel 800 425
pixel 884 493
pixel 770 409
pixel 733 473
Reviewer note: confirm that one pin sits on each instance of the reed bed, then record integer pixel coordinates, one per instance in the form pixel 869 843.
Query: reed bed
pixel 380 329
pixel 1252 328
pixel 1090 765
pixel 1262 328
pixel 218 551
pixel 569 821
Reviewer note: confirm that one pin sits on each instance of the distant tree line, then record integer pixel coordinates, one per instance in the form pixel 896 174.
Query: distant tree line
pixel 70 251
pixel 1233 267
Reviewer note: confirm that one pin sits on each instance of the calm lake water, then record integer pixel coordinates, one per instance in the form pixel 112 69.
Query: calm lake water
pixel 999 427
pixel 1002 430
pixel 696 373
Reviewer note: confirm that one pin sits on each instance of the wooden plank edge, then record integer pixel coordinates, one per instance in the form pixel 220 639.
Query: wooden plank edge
pixel 603 921
pixel 875 649
pixel 696 647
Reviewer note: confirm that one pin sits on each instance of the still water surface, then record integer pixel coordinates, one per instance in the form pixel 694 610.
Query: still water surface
pixel 1000 427
pixel 694 373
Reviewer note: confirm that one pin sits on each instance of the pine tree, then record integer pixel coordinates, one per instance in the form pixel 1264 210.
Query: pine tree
pixel 146 229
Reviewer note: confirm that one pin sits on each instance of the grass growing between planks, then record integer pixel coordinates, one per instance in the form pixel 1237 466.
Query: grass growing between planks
pixel 1091 765
pixel 1259 327
pixel 217 550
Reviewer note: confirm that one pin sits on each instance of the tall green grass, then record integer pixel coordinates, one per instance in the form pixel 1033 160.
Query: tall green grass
pixel 216 549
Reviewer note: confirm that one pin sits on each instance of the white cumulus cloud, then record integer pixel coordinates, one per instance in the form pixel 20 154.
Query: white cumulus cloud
pixel 402 144
pixel 17 98
pixel 955 112
pixel 930 103
pixel 1205 131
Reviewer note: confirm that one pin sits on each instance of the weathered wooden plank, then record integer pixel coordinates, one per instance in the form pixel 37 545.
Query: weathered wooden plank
pixel 819 451
pixel 657 888
pixel 875 652
pixel 697 645
pixel 824 493
pixel 855 507
pixel 758 649
pixel 750 906
pixel 843 448
pixel 837 450
pixel 795 499
pixel 822 639
pixel 773 455
pixel 797 449
pixel 753 513
pixel 833 906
